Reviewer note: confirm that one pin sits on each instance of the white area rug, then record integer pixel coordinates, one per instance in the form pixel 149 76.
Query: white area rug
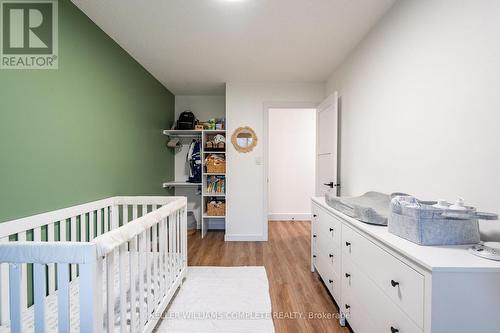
pixel 221 300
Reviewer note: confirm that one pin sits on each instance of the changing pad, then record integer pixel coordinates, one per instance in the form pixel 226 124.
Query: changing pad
pixel 371 207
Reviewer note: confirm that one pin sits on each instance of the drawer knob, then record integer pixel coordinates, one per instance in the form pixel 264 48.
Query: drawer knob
pixel 347 244
pixel 394 330
pixel 330 255
pixel 315 215
pixel 394 283
pixel 314 236
pixel 331 229
pixel 331 281
pixel 347 306
pixel 347 275
pixel 314 256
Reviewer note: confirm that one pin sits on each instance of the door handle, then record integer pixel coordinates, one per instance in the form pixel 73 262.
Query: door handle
pixel 331 185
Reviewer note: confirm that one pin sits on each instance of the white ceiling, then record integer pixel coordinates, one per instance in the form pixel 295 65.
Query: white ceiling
pixel 194 46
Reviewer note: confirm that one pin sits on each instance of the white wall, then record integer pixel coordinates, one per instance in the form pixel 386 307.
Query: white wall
pixel 291 163
pixel 421 104
pixel 245 104
pixel 204 108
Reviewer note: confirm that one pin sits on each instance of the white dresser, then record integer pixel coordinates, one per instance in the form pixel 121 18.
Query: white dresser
pixel 383 283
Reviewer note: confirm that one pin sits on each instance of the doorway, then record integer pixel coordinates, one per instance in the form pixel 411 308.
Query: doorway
pixel 291 163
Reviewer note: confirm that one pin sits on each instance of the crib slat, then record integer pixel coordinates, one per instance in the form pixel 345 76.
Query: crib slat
pixel 110 291
pixel 123 287
pixel 170 250
pixel 176 244
pixel 97 294
pixel 37 234
pixel 105 226
pixel 21 237
pixel 133 280
pixel 144 209
pixel 161 254
pixel 91 224
pixel 184 237
pixel 154 267
pixel 100 227
pixel 134 212
pixel 39 296
pixel 4 290
pixel 114 217
pixel 15 293
pixel 62 230
pixel 83 229
pixel 4 294
pixel 142 291
pixel 51 267
pixel 149 283
pixel 179 244
pixel 89 299
pixel 63 297
pixel 176 267
pixel 125 214
pixel 73 225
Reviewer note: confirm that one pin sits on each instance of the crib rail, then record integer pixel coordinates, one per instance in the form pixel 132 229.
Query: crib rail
pixel 143 239
pixel 39 254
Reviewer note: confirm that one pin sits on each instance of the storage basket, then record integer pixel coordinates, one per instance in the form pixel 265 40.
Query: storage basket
pixel 220 146
pixel 423 224
pixel 216 208
pixel 215 165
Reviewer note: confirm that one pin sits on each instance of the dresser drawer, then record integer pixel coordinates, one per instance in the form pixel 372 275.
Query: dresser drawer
pixel 330 277
pixel 332 255
pixel 328 227
pixel 386 315
pixel 354 307
pixel 402 284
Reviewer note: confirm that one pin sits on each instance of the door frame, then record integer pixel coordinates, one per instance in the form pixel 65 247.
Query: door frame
pixel 265 144
pixel 331 99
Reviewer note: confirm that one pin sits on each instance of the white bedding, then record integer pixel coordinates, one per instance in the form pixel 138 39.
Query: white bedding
pixel 27 318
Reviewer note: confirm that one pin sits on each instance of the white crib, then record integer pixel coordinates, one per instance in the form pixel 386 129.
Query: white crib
pixel 104 266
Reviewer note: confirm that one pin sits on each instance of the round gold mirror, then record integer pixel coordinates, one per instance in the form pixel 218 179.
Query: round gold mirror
pixel 244 139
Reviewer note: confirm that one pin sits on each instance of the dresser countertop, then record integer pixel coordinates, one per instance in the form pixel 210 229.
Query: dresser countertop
pixel 454 258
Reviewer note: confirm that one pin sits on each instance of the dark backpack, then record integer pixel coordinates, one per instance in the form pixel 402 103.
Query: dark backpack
pixel 186 121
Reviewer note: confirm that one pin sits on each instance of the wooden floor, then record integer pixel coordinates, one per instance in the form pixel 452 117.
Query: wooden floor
pixel 295 291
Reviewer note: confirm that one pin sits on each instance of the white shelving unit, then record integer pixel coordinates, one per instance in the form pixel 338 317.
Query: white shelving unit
pixel 180 184
pixel 207 222
pixel 217 221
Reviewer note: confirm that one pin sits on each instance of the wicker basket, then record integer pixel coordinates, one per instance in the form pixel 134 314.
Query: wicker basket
pixel 215 166
pixel 216 209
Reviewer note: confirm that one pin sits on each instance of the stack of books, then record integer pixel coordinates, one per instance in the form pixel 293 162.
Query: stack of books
pixel 216 184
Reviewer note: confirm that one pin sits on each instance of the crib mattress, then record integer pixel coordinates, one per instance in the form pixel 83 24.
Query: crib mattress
pixel 28 315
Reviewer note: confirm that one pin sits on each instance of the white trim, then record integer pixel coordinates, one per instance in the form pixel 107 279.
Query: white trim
pixel 289 216
pixel 245 238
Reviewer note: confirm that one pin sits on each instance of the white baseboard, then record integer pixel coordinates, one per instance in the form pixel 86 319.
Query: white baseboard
pixel 289 217
pixel 244 238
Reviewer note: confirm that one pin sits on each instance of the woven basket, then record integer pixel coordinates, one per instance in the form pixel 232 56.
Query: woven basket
pixel 216 209
pixel 216 166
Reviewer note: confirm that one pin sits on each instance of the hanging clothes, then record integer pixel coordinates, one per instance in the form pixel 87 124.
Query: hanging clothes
pixel 194 161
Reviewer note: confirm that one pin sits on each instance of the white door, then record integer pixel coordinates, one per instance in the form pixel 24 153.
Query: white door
pixel 326 147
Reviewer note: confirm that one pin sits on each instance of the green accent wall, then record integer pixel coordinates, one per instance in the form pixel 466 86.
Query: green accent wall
pixel 87 131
